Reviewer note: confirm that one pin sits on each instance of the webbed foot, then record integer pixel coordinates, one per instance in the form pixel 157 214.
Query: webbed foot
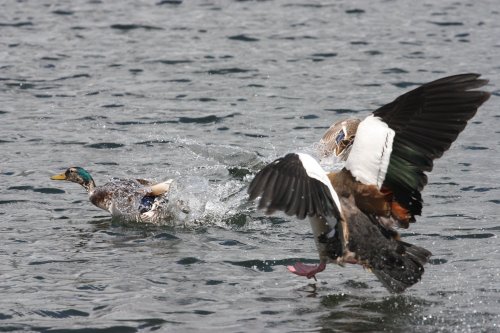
pixel 308 271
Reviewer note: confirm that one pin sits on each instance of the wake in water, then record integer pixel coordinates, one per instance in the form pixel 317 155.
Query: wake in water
pixel 213 190
pixel 210 191
pixel 195 201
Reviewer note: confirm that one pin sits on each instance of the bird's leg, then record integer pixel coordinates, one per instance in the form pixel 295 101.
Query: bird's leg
pixel 308 271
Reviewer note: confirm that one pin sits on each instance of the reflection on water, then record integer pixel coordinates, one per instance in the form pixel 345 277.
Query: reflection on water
pixel 362 314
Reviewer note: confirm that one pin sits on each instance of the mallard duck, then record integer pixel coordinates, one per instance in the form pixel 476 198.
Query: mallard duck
pixel 353 213
pixel 133 198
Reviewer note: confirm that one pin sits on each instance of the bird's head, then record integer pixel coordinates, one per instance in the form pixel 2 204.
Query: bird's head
pixel 76 175
pixel 338 139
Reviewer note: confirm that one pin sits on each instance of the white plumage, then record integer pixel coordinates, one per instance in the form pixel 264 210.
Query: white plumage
pixel 371 151
pixel 314 170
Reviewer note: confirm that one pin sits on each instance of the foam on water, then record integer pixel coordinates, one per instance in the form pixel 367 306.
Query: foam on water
pixel 194 202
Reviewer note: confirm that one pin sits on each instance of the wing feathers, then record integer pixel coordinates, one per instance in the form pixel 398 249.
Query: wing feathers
pixel 427 120
pixel 291 184
pixel 160 188
pixel 370 154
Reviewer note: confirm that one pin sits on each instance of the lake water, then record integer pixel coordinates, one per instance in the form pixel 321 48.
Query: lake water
pixel 207 92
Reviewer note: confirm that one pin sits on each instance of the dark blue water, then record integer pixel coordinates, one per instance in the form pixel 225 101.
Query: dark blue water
pixel 207 92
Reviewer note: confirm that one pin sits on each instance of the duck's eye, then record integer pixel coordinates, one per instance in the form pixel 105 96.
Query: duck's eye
pixel 340 137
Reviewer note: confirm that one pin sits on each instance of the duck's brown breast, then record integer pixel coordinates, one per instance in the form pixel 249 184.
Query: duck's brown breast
pixel 368 198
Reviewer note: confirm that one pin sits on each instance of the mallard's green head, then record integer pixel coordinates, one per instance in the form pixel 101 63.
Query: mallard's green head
pixel 77 175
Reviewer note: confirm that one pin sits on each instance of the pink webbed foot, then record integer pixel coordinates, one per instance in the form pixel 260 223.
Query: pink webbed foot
pixel 308 271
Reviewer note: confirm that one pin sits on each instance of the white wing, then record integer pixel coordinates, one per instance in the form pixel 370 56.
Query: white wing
pixel 371 151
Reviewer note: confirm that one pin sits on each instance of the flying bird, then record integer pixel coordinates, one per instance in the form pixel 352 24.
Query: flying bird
pixel 354 212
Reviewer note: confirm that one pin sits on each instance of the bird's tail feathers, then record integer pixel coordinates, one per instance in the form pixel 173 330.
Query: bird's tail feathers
pixel 397 264
pixel 398 271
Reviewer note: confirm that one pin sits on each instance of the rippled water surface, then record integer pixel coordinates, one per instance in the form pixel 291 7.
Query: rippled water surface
pixel 206 92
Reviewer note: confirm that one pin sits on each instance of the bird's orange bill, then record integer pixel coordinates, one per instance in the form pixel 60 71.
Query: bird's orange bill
pixel 60 176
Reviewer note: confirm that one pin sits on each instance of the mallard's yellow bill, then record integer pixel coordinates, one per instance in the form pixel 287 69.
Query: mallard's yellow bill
pixel 61 176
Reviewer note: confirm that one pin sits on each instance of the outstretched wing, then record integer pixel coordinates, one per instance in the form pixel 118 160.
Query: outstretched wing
pixel 398 143
pixel 297 185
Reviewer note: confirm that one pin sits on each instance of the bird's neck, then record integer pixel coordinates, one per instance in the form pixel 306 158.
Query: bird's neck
pixel 89 186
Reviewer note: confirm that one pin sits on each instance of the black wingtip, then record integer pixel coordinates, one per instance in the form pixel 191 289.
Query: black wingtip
pixel 285 185
pixel 486 96
pixel 427 120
